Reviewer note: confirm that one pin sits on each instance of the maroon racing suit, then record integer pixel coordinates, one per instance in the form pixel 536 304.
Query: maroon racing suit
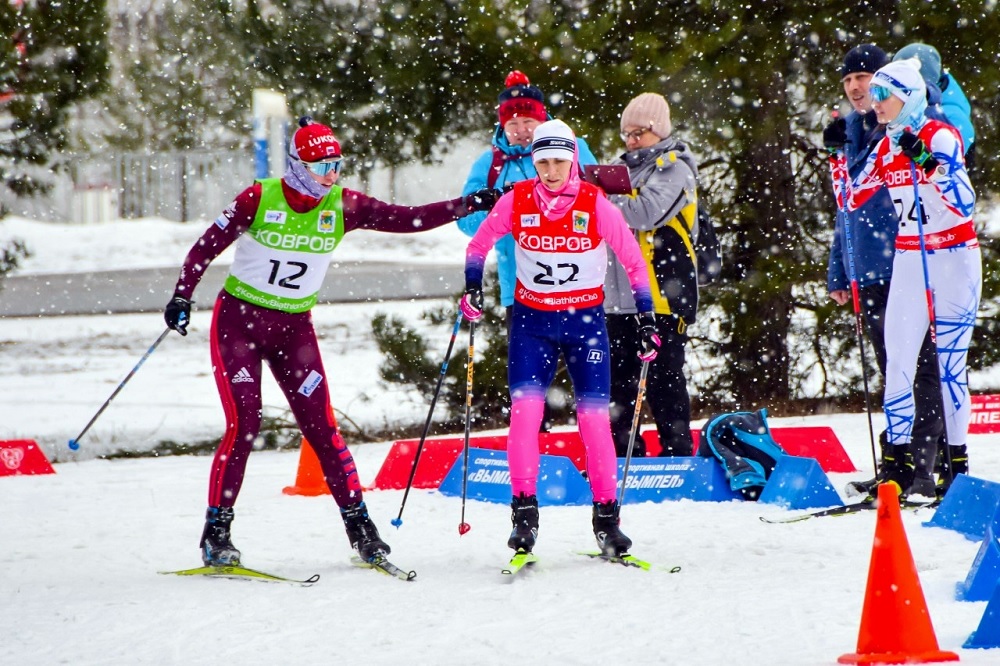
pixel 243 335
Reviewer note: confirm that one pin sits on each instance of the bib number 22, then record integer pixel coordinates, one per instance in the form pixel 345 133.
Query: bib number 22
pixel 549 276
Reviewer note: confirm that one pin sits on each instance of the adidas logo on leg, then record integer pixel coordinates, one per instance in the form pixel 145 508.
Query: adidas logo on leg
pixel 242 376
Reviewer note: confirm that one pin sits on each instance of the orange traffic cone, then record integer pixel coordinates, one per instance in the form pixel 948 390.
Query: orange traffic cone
pixel 895 625
pixel 309 480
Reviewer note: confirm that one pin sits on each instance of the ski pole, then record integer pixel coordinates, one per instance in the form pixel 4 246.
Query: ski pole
pixel 398 520
pixel 463 526
pixel 931 317
pixel 635 428
pixel 74 443
pixel 858 323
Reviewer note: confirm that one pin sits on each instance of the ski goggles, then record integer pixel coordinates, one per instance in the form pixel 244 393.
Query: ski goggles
pixel 879 93
pixel 325 167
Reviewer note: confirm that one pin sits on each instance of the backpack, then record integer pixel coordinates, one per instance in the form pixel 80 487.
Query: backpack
pixel 495 167
pixel 742 442
pixel 707 249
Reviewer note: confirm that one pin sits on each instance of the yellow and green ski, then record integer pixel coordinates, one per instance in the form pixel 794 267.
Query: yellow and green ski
pixel 242 573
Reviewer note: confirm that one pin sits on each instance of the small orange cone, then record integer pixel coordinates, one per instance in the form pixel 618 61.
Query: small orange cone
pixel 309 480
pixel 895 625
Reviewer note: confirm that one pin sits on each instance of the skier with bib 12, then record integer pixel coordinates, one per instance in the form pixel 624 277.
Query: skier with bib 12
pixel 286 230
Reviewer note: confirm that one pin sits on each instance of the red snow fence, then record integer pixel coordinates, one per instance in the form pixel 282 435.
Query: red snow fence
pixel 23 457
pixel 895 624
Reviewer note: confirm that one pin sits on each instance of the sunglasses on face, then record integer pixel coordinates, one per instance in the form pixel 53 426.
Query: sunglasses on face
pixel 634 134
pixel 324 167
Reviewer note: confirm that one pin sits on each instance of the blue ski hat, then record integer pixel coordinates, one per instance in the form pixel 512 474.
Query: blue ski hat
pixel 902 78
pixel 930 59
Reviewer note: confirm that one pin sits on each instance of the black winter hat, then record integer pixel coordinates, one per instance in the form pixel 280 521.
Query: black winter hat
pixel 863 58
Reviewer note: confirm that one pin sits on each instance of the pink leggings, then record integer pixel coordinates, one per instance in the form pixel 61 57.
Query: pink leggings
pixel 595 431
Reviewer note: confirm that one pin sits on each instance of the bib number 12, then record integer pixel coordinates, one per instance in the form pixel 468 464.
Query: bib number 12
pixel 295 270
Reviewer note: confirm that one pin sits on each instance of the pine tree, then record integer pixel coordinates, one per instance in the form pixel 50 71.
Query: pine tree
pixel 179 85
pixel 750 86
pixel 54 56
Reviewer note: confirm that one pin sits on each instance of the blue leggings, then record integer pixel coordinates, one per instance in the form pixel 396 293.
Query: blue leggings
pixel 538 336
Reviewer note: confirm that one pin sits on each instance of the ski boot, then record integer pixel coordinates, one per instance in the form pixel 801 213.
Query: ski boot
pixel 610 538
pixel 897 469
pixel 524 518
pixel 959 456
pixel 361 532
pixel 923 454
pixel 922 488
pixel 869 487
pixel 217 549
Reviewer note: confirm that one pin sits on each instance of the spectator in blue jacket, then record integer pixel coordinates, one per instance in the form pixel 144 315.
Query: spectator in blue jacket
pixel 521 108
pixel 953 102
pixel 873 239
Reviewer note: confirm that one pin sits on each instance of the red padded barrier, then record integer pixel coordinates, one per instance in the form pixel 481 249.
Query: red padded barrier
pixel 22 456
pixel 440 453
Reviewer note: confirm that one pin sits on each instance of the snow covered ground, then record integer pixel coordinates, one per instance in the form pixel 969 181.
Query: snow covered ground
pixel 81 548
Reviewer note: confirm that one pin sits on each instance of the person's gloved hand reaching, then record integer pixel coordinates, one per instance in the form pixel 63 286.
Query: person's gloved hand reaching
pixel 471 304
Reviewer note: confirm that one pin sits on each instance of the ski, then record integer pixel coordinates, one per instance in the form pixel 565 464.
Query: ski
pixel 856 488
pixel 915 506
pixel 522 559
pixel 628 560
pixel 835 511
pixel 242 573
pixel 858 507
pixel 382 565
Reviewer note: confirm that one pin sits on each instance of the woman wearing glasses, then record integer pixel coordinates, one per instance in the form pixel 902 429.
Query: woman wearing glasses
pixel 287 229
pixel 935 213
pixel 662 213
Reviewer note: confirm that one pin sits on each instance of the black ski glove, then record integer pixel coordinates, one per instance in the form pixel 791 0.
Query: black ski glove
pixel 483 199
pixel 835 135
pixel 177 314
pixel 914 148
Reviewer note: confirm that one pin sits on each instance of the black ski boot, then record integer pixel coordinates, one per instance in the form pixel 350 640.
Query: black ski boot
pixel 869 486
pixel 959 456
pixel 217 549
pixel 524 518
pixel 923 455
pixel 361 532
pixel 897 469
pixel 610 538
pixel 922 488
